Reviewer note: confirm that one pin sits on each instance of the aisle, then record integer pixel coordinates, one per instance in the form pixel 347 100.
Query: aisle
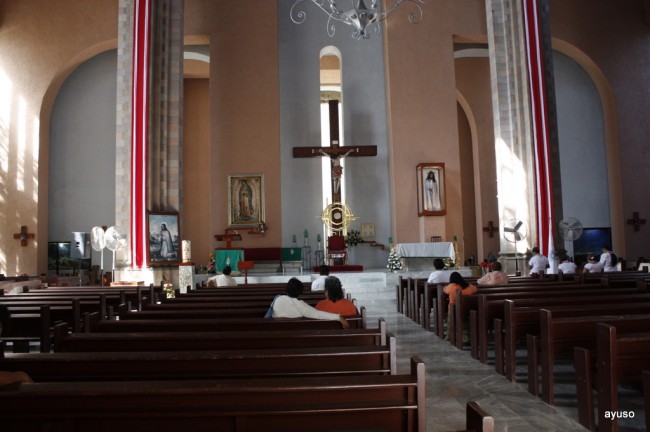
pixel 453 378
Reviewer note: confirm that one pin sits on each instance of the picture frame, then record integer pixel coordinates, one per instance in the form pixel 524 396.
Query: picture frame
pixel 367 231
pixel 431 185
pixel 164 240
pixel 245 200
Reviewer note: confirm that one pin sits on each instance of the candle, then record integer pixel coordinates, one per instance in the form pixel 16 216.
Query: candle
pixel 294 238
pixel 306 233
pixel 318 238
pixel 390 240
pixel 187 251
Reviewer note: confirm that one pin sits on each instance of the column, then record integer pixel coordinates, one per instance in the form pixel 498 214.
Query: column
pixel 512 123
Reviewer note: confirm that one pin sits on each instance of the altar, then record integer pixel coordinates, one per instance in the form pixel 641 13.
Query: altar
pixel 419 256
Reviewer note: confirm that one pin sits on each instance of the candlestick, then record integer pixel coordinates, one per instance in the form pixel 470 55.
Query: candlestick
pixel 318 238
pixel 306 233
pixel 294 238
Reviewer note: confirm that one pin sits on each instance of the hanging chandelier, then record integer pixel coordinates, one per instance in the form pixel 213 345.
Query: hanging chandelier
pixel 361 17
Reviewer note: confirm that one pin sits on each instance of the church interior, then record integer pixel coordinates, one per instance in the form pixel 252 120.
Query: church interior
pixel 208 133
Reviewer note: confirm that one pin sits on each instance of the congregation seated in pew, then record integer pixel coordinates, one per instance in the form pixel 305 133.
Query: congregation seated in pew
pixel 290 306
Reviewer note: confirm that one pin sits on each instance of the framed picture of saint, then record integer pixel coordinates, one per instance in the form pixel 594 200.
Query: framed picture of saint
pixel 431 189
pixel 245 200
pixel 164 239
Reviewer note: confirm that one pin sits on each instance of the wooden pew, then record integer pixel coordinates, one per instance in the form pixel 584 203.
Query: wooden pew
pixel 646 397
pixel 477 419
pixel 95 324
pixel 488 304
pixel 391 403
pixel 619 358
pixel 521 317
pixel 184 365
pixel 207 341
pixel 25 328
pixel 562 329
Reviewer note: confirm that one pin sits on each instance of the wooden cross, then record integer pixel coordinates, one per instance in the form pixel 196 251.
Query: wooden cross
pixel 334 151
pixel 636 221
pixel 491 228
pixel 23 235
pixel 229 236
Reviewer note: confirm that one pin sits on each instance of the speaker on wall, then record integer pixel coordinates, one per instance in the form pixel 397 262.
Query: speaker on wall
pixel 80 245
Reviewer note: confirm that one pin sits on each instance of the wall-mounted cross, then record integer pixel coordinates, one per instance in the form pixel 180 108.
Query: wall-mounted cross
pixel 491 228
pixel 636 221
pixel 23 235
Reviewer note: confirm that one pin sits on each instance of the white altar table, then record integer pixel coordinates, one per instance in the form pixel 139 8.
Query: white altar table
pixel 419 256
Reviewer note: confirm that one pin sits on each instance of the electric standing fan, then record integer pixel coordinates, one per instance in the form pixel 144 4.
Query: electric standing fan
pixel 98 243
pixel 115 238
pixel 514 231
pixel 570 230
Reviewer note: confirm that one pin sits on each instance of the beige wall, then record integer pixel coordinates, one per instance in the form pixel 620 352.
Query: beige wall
pixel 423 117
pixel 244 105
pixel 196 174
pixel 41 42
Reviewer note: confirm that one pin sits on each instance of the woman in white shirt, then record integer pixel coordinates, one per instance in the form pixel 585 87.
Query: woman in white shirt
pixel 608 260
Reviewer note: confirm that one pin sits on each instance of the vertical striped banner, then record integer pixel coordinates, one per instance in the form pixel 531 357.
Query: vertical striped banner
pixel 139 131
pixel 540 132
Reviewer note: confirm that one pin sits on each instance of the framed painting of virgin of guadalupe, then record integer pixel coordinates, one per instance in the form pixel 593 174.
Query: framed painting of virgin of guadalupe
pixel 431 189
pixel 245 200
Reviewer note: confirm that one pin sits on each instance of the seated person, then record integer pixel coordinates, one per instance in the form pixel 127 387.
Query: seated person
pixel 289 306
pixel 457 281
pixel 319 283
pixel 439 275
pixel 335 301
pixel 593 265
pixel 495 277
pixel 567 266
pixel 224 279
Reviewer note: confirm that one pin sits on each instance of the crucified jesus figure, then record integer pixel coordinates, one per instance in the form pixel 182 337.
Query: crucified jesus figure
pixel 337 169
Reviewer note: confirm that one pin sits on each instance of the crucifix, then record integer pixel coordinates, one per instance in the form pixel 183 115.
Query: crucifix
pixel 335 152
pixel 23 235
pixel 636 221
pixel 491 228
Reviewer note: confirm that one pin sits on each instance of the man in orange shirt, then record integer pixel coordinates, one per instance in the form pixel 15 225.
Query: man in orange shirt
pixel 335 301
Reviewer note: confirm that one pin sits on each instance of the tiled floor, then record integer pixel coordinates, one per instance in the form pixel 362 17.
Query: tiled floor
pixel 453 378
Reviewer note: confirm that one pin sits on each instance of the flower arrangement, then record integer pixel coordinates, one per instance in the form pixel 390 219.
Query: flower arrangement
pixel 353 238
pixel 211 268
pixel 394 261
pixel 168 288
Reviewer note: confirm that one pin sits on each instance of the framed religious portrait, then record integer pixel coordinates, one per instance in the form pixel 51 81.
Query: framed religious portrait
pixel 245 200
pixel 164 239
pixel 432 197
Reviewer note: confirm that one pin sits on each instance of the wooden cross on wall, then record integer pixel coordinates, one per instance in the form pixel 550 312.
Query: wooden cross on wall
pixel 228 236
pixel 636 221
pixel 491 228
pixel 334 151
pixel 23 235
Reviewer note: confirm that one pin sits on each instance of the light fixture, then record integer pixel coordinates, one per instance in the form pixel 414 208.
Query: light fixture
pixel 360 17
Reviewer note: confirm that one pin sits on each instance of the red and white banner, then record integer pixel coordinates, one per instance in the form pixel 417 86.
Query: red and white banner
pixel 539 116
pixel 140 131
